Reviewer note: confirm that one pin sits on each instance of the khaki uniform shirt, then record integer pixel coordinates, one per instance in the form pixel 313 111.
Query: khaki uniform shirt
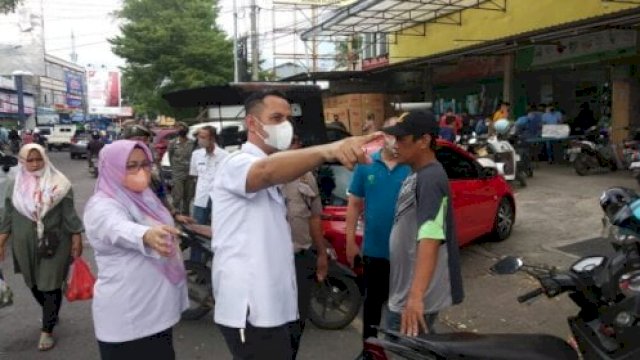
pixel 180 158
pixel 303 201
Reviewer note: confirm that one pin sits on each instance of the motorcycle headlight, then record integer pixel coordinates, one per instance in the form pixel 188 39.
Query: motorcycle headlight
pixel 587 264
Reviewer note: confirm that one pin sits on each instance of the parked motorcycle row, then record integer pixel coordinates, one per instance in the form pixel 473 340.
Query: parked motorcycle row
pixel 594 152
pixel 606 290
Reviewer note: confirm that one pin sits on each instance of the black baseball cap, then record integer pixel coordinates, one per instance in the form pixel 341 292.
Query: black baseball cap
pixel 416 123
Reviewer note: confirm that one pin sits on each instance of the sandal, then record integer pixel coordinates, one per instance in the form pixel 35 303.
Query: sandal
pixel 46 342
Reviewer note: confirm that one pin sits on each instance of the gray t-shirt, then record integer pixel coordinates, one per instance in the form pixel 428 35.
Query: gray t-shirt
pixel 424 211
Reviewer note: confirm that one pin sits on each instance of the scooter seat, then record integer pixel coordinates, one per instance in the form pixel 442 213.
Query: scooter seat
pixel 493 346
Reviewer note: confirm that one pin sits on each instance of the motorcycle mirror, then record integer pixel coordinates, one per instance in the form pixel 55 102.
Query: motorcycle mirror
pixel 508 265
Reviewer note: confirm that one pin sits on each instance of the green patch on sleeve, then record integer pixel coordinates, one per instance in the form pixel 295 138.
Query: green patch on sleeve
pixel 434 229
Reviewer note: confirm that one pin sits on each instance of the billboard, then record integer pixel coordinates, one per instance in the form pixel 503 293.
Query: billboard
pixel 103 91
pixel 22 39
pixel 74 89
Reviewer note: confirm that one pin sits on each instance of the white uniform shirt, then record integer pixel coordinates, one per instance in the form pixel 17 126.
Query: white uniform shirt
pixel 253 273
pixel 205 166
pixel 132 299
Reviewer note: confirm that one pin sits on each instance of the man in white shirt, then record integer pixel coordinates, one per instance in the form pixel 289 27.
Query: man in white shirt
pixel 253 270
pixel 204 164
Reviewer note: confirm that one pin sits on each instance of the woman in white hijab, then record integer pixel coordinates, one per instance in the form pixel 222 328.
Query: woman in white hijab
pixel 45 232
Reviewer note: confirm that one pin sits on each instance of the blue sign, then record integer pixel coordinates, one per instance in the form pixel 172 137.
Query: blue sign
pixel 74 101
pixel 74 83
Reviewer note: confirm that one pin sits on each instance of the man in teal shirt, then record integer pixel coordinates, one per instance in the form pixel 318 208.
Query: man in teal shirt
pixel 375 188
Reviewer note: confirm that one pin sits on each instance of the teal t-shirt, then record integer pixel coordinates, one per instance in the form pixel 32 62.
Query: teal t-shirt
pixel 379 187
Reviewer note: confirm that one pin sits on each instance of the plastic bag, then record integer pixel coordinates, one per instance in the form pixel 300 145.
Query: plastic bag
pixel 6 295
pixel 81 281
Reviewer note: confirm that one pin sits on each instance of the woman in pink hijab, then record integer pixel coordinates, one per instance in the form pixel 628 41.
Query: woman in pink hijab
pixel 141 288
pixel 45 232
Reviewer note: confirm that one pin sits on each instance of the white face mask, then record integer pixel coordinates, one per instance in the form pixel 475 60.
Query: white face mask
pixel 278 136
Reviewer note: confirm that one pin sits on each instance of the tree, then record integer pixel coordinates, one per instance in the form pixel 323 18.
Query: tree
pixel 348 52
pixel 170 45
pixel 8 6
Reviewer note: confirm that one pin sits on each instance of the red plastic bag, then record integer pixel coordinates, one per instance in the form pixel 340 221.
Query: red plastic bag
pixel 80 283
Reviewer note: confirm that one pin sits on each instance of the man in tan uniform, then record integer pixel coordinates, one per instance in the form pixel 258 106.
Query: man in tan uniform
pixel 304 211
pixel 180 151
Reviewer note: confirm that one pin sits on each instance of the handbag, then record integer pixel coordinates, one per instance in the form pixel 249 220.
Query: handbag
pixel 6 295
pixel 48 245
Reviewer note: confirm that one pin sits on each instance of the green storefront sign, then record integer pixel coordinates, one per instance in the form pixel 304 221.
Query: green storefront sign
pixel 582 49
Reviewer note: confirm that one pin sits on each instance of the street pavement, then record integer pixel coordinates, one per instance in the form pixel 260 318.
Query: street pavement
pixel 557 208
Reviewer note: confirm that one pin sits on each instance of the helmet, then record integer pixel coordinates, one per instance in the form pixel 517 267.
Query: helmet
pixel 614 199
pixel 95 135
pixel 501 126
pixel 136 130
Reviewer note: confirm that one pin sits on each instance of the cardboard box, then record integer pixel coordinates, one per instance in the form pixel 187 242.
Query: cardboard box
pixel 352 109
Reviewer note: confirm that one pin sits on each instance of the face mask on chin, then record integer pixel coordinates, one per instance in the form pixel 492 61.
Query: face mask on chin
pixel 137 182
pixel 279 136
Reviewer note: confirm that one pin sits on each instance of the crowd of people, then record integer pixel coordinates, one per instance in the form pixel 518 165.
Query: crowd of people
pixel 264 205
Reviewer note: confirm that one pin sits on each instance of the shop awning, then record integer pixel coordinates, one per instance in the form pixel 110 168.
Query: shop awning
pixel 395 16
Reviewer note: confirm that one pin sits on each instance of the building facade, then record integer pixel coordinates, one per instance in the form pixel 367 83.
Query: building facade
pixel 472 54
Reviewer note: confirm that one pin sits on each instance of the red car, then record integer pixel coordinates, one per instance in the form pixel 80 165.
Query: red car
pixel 483 201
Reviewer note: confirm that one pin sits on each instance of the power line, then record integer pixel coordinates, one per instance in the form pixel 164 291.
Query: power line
pixel 81 45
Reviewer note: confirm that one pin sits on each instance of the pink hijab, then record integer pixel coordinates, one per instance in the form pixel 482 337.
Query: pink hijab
pixel 145 208
pixel 35 193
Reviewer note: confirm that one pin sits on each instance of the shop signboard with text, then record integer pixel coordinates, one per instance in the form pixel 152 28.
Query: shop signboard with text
pixel 582 49
pixel 74 89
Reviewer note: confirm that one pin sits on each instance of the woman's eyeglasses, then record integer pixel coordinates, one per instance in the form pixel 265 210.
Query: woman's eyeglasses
pixel 134 167
pixel 34 160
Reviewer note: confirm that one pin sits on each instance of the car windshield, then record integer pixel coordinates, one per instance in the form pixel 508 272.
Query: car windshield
pixel 333 182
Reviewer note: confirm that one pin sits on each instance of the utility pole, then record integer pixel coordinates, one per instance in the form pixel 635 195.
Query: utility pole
pixel 74 54
pixel 314 42
pixel 236 74
pixel 255 53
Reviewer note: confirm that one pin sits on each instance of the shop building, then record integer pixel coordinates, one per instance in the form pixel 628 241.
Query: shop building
pixel 472 54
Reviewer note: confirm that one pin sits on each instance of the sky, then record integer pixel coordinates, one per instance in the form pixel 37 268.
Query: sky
pixel 92 24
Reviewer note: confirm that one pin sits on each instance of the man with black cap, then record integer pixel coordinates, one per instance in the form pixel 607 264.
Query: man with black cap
pixel 425 267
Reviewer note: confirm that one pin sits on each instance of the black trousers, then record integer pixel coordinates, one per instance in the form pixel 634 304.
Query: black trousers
pixel 158 347
pixel 50 301
pixel 376 284
pixel 276 343
pixel 306 264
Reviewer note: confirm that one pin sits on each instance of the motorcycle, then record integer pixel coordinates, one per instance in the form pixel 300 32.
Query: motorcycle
pixel 497 148
pixel 606 289
pixel 591 152
pixel 334 303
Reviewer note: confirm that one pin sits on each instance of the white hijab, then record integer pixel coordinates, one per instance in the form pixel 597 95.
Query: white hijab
pixel 35 193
